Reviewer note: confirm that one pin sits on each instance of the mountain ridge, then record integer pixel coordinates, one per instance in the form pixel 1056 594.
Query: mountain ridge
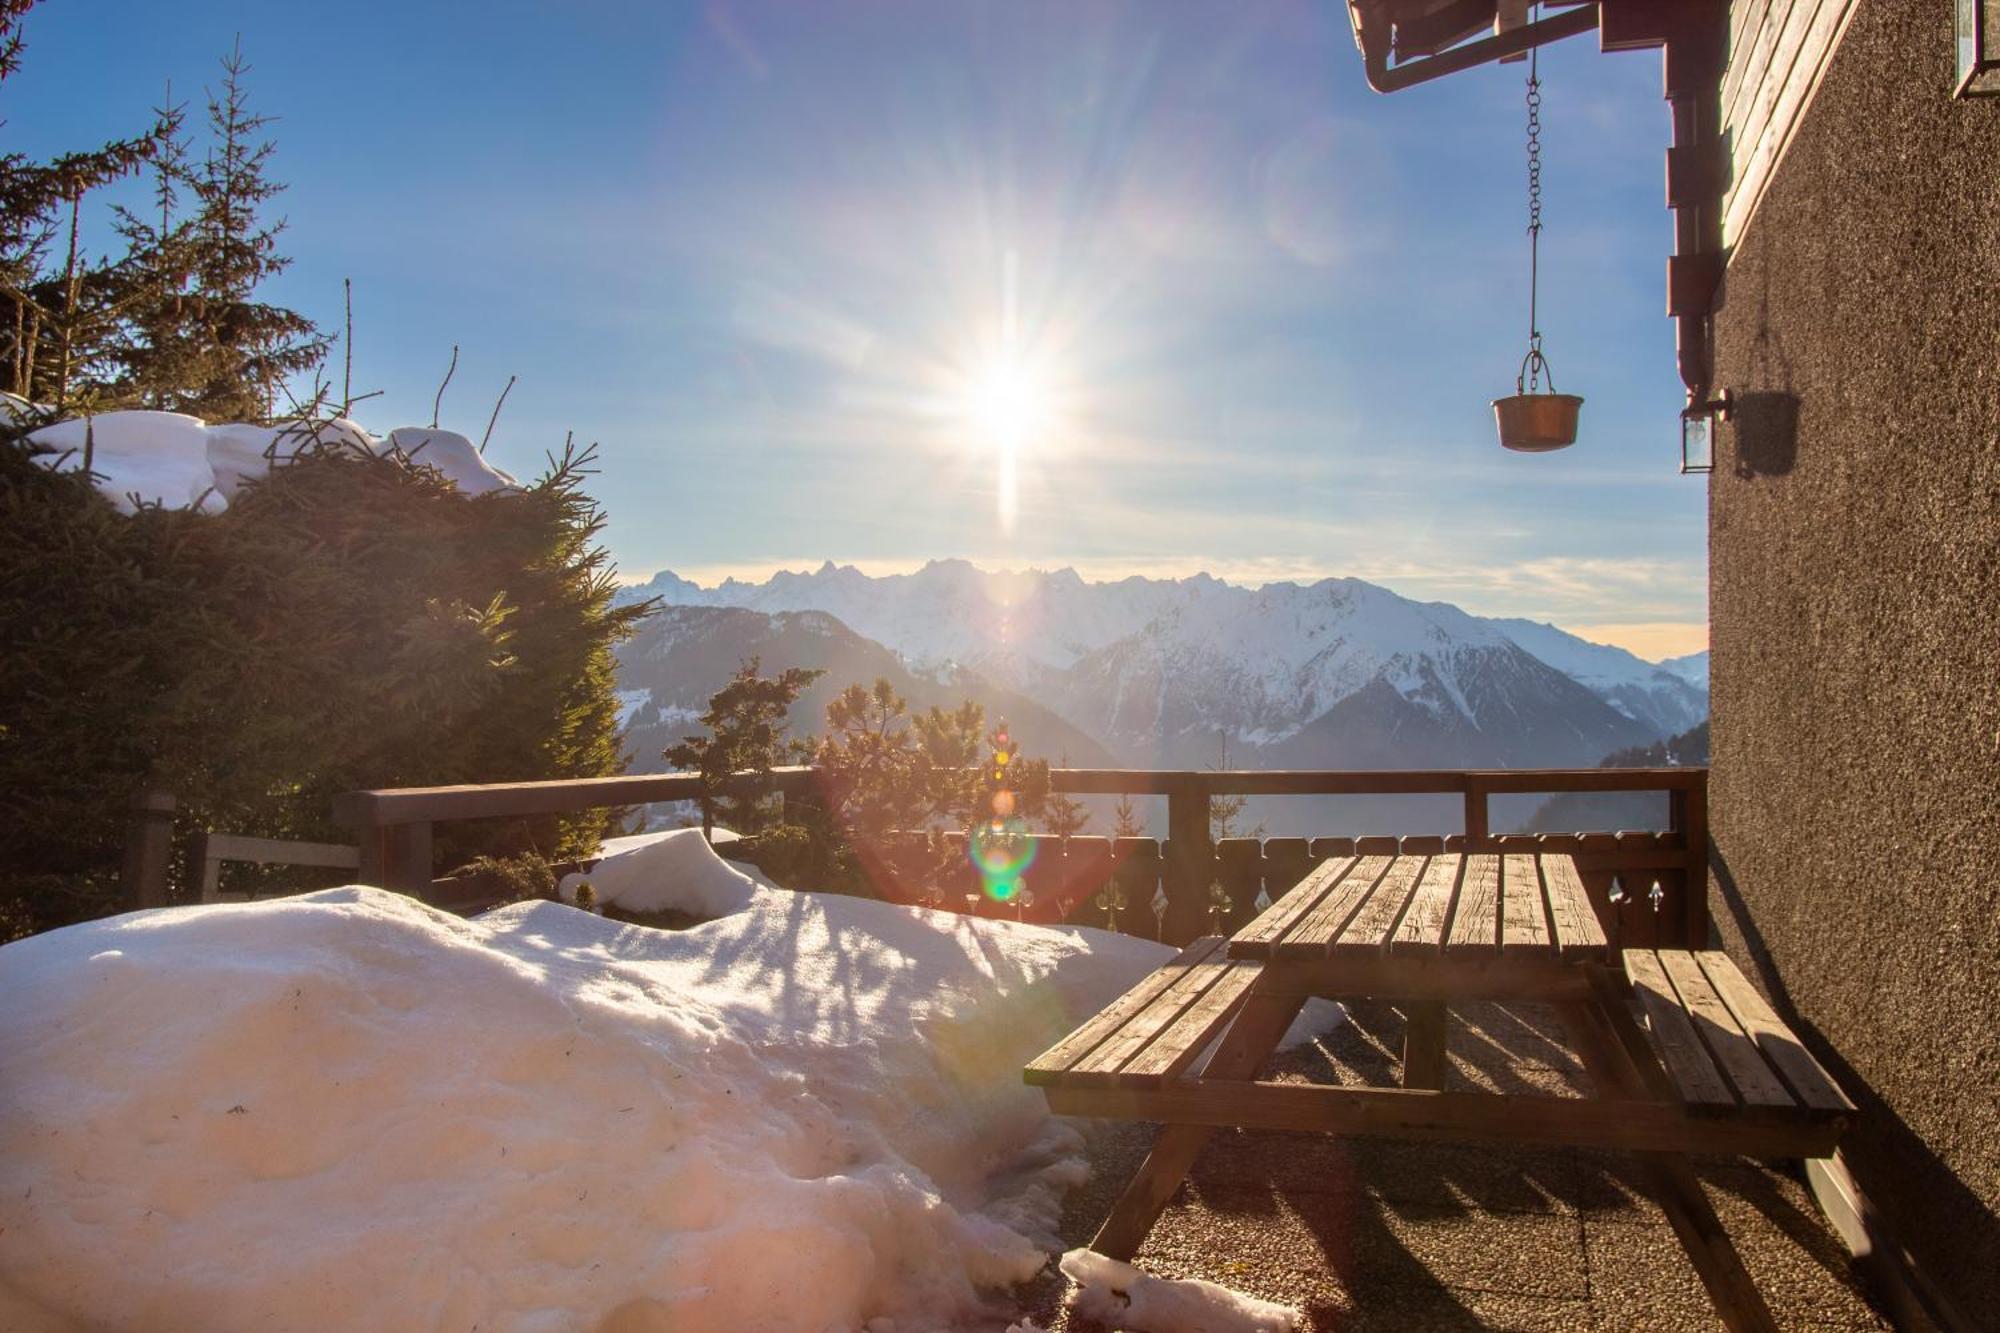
pixel 1168 671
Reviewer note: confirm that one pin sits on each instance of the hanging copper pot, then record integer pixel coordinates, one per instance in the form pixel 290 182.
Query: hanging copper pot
pixel 1532 421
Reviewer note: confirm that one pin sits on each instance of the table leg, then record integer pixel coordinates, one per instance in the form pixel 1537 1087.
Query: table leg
pixel 1614 1066
pixel 1252 1036
pixel 1424 1062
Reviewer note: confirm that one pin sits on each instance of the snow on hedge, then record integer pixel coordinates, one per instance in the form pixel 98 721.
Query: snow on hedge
pixel 180 461
pixel 347 1110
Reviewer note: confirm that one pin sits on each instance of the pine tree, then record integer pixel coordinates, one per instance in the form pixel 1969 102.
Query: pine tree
pixel 60 326
pixel 746 733
pixel 1065 816
pixel 1125 820
pixel 165 354
pixel 869 765
pixel 249 347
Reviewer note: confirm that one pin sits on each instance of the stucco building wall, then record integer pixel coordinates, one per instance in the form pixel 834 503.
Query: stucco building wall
pixel 1855 621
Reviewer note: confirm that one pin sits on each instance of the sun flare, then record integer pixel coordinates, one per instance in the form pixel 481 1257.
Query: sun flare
pixel 1009 403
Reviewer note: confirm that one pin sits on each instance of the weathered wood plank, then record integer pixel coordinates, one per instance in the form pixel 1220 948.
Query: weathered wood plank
pixel 1475 921
pixel 1631 1124
pixel 1687 1060
pixel 1092 1033
pixel 1734 1052
pixel 1372 926
pixel 1423 925
pixel 1524 915
pixel 1811 1084
pixel 1316 929
pixel 1140 1030
pixel 1760 135
pixel 1255 940
pixel 1578 932
pixel 1174 1049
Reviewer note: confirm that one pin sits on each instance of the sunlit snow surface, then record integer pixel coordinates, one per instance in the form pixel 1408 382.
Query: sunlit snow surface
pixel 347 1110
pixel 178 461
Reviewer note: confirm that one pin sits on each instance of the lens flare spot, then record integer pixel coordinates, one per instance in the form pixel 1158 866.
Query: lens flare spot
pixel 1002 849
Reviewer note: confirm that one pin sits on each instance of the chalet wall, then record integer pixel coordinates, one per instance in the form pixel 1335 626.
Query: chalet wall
pixel 1855 617
pixel 1778 52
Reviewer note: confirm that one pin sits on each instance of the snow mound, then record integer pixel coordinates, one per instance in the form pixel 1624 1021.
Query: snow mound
pixel 179 461
pixel 348 1110
pixel 1120 1296
pixel 651 872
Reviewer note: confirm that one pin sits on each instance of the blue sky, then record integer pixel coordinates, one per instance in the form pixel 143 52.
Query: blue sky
pixel 813 274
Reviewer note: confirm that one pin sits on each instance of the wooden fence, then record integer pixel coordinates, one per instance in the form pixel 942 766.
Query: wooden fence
pixel 1650 888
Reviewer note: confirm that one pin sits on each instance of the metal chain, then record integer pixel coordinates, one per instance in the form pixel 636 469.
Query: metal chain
pixel 1534 216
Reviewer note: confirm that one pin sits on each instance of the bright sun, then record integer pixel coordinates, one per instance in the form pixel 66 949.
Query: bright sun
pixel 1009 410
pixel 1009 404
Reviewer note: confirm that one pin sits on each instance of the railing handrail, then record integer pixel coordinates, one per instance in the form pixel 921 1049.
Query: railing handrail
pixel 1367 781
pixel 394 827
pixel 499 800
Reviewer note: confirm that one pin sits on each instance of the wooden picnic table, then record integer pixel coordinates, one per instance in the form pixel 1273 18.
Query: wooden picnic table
pixel 1711 1071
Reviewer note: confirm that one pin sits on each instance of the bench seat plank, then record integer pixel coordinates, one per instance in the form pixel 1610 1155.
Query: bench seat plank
pixel 1681 1051
pixel 1173 1050
pixel 1095 1031
pixel 1734 1051
pixel 1776 1042
pixel 1170 1018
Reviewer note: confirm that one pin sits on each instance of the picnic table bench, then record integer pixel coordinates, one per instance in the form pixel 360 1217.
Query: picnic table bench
pixel 1684 1056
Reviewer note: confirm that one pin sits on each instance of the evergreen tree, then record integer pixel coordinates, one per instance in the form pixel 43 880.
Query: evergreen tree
pixel 871 774
pixel 1065 816
pixel 1125 820
pixel 165 354
pixel 746 733
pixel 60 325
pixel 247 347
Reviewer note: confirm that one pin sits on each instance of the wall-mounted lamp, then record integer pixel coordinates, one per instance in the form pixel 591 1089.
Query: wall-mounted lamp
pixel 1978 24
pixel 1698 423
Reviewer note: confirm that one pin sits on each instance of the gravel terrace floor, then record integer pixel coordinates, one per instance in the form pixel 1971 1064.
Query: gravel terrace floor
pixel 1373 1234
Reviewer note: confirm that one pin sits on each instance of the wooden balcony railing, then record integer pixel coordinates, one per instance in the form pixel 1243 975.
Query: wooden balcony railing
pixel 1649 888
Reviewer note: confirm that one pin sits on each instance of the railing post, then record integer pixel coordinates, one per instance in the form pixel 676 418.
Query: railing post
pixel 1688 815
pixel 396 856
pixel 149 850
pixel 1190 863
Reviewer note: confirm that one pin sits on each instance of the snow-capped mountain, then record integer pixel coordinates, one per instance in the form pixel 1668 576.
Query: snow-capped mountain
pixel 1693 668
pixel 1339 673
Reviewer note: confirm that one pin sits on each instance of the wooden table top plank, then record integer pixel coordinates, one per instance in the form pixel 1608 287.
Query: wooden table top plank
pixel 1578 932
pixel 1255 940
pixel 1177 1047
pixel 1371 928
pixel 1475 917
pixel 1686 1059
pixel 1140 1029
pixel 1734 1051
pixel 1092 1034
pixel 1423 925
pixel 1318 928
pixel 1812 1085
pixel 1524 920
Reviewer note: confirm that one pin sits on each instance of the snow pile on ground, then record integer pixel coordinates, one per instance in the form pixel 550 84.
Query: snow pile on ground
pixel 347 1110
pixel 179 461
pixel 1120 1296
